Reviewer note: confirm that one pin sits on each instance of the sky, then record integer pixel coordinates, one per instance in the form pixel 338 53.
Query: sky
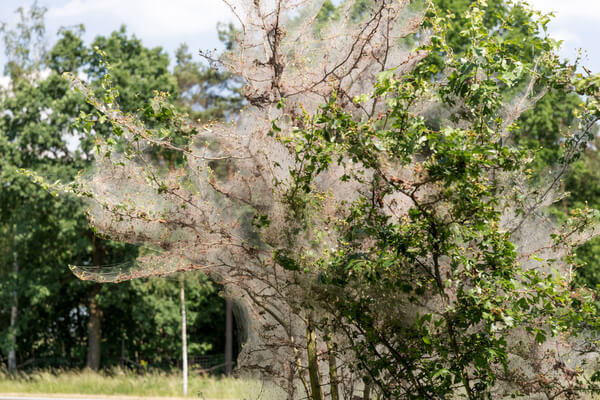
pixel 157 22
pixel 577 23
pixel 168 23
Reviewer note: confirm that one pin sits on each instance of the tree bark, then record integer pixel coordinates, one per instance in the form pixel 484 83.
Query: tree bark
pixel 183 335
pixel 122 353
pixel 94 326
pixel 14 310
pixel 313 362
pixel 367 391
pixel 333 378
pixel 94 331
pixel 228 337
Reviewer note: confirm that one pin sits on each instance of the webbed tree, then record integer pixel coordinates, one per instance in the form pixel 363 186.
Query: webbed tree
pixel 369 212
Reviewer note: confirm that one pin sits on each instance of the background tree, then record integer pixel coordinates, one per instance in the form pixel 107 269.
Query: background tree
pixel 42 235
pixel 206 92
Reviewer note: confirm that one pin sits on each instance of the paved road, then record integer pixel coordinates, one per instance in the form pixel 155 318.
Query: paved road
pixel 83 397
pixel 13 396
pixel 87 397
pixel 43 398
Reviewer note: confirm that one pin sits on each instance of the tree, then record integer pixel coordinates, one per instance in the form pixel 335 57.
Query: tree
pixel 374 223
pixel 204 92
pixel 583 193
pixel 540 128
pixel 30 218
pixel 48 317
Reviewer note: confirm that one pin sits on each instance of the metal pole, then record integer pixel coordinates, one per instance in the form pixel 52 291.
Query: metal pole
pixel 184 337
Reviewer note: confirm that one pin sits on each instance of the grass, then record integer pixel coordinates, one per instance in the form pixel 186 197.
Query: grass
pixel 126 383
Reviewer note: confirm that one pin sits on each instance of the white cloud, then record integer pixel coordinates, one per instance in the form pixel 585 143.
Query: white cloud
pixel 569 8
pixel 151 18
pixel 4 82
pixel 566 36
pixel 577 23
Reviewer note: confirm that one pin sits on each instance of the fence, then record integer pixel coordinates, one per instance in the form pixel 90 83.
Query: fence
pixel 210 363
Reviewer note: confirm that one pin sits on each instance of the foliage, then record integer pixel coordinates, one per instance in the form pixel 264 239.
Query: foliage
pixel 371 221
pixel 33 222
pixel 145 314
pixel 24 46
pixel 580 183
pixel 448 266
pixel 541 127
pixel 44 234
pixel 208 93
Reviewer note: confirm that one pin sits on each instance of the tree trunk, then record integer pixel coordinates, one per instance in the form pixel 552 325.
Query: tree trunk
pixel 228 337
pixel 313 362
pixel 333 378
pixel 94 331
pixel 184 336
pixel 122 353
pixel 94 326
pixel 367 390
pixel 14 309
